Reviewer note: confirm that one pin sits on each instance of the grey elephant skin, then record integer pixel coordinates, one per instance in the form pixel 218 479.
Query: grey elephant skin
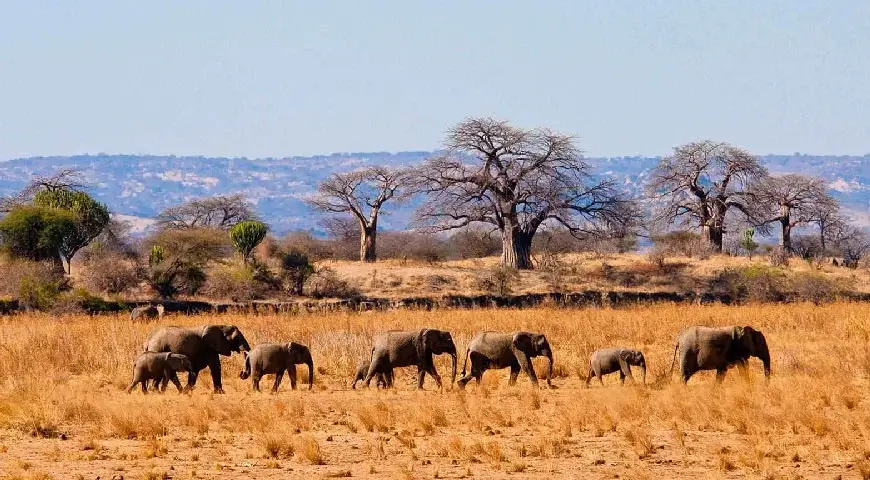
pixel 277 358
pixel 203 346
pixel 708 348
pixel 396 348
pixel 494 350
pixel 362 369
pixel 159 367
pixel 605 361
pixel 147 312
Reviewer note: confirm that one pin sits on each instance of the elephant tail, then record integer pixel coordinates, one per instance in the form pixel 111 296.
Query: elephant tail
pixel 465 361
pixel 247 371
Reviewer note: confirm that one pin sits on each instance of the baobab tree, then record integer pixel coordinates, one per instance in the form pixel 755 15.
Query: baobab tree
pixel 792 200
pixel 516 181
pixel 362 193
pixel 700 182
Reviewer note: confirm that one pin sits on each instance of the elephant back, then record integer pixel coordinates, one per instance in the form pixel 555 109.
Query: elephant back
pixel 176 340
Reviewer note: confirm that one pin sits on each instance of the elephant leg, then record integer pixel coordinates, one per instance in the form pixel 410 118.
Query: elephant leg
pixel 176 382
pixel 720 374
pixel 191 380
pixel 590 376
pixel 687 369
pixel 388 379
pixel 621 377
pixel 255 381
pixel 515 372
pixel 279 375
pixel 526 365
pixel 431 371
pixel 378 365
pixel 214 366
pixel 291 372
pixel 145 387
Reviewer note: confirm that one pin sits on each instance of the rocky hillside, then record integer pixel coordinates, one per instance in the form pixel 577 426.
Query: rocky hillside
pixel 140 186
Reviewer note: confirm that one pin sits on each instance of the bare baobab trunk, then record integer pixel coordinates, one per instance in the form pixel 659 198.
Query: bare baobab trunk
pixel 712 235
pixel 785 221
pixel 368 239
pixel 516 249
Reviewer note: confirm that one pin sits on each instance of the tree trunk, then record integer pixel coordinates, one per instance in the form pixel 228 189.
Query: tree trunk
pixel 368 238
pixel 822 238
pixel 63 262
pixel 516 249
pixel 712 236
pixel 785 241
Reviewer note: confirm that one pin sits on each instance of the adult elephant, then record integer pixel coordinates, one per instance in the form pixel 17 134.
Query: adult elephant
pixel 492 350
pixel 202 345
pixel 397 348
pixel 708 348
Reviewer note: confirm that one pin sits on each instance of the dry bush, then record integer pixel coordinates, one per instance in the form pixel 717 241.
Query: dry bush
pixel 36 285
pixel 110 273
pixel 498 280
pixel 239 282
pixel 325 283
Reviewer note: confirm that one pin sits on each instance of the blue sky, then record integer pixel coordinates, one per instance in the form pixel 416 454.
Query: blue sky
pixel 279 78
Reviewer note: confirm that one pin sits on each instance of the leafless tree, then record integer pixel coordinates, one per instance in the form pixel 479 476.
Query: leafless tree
pixel 65 179
pixel 362 193
pixel 700 182
pixel 852 242
pixel 516 180
pixel 791 200
pixel 221 211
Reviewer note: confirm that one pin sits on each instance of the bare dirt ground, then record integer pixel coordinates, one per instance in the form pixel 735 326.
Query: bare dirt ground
pixel 64 413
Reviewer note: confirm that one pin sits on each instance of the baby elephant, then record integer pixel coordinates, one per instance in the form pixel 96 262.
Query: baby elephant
pixel 275 358
pixel 159 367
pixel 619 360
pixel 362 369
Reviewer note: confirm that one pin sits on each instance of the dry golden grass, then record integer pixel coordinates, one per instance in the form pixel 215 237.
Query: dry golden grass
pixel 64 413
pixel 579 271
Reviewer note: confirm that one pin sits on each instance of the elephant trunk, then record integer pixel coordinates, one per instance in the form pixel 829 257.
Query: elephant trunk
pixel 310 364
pixel 765 359
pixel 643 372
pixel 244 374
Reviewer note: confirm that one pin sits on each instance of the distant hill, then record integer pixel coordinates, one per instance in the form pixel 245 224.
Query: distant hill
pixel 138 187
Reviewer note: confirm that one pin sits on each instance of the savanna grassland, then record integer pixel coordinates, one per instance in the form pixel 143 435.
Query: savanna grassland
pixel 64 412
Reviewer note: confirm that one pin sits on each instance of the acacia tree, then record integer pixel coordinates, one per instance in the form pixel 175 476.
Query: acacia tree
pixel 700 182
pixel 362 193
pixel 516 181
pixel 91 217
pixel 65 179
pixel 221 211
pixel 792 200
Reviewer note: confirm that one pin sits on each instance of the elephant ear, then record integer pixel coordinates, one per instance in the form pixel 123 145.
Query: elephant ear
pixel 216 339
pixel 738 332
pixel 424 342
pixel 523 342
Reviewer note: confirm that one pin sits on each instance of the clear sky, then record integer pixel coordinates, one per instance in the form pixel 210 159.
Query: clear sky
pixel 258 78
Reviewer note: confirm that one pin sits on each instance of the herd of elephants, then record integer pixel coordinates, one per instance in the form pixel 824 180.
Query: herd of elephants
pixel 169 350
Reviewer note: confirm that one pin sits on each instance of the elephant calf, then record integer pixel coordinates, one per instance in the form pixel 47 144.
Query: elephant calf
pixel 488 350
pixel 159 367
pixel 605 361
pixel 362 369
pixel 274 358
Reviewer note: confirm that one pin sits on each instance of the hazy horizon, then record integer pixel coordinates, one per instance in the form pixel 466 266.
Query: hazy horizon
pixel 263 79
